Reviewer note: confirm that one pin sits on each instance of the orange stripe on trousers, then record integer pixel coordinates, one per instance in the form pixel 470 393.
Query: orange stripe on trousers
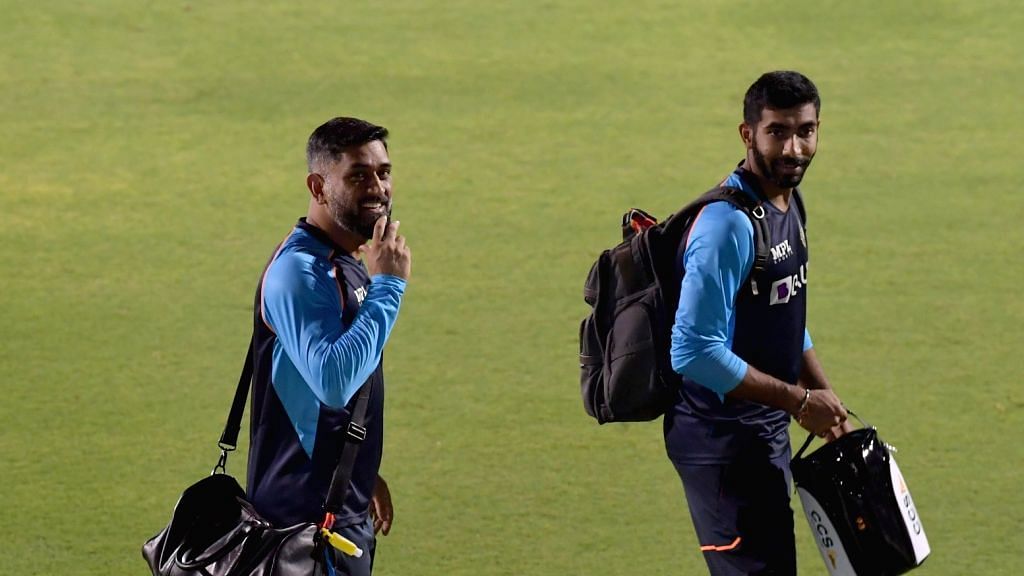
pixel 732 546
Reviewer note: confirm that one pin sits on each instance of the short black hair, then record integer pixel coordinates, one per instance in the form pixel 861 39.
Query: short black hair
pixel 330 139
pixel 779 90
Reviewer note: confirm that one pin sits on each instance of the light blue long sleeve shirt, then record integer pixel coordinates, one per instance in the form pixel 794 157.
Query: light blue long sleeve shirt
pixel 717 261
pixel 302 306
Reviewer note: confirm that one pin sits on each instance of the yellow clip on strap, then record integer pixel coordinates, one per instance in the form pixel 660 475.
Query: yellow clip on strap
pixel 341 543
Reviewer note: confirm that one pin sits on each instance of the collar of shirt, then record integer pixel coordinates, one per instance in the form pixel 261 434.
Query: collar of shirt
pixel 335 252
pixel 748 182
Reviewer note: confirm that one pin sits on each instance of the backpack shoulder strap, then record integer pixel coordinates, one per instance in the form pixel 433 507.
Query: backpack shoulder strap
pixel 800 206
pixel 752 208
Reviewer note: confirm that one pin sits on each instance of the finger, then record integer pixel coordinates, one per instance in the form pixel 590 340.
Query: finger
pixel 379 227
pixel 377 524
pixel 392 229
pixel 386 527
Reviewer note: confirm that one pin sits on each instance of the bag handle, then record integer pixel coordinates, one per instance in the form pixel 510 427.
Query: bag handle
pixel 811 436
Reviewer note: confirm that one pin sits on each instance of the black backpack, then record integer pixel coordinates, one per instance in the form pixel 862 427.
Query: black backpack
pixel 625 368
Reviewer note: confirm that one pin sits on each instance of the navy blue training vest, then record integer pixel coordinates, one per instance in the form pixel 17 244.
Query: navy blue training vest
pixel 770 318
pixel 284 484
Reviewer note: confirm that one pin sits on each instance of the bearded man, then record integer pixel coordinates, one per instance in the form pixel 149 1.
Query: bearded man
pixel 325 306
pixel 741 344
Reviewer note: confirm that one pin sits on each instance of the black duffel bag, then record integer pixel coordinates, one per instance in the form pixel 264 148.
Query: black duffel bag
pixel 858 506
pixel 215 531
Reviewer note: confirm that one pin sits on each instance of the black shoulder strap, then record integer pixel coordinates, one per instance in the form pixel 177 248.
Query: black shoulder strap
pixel 755 212
pixel 229 438
pixel 354 435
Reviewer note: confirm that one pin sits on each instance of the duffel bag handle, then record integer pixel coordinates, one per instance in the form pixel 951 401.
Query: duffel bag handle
pixel 206 557
pixel 811 436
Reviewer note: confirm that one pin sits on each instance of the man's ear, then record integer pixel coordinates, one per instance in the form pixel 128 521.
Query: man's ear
pixel 747 135
pixel 315 183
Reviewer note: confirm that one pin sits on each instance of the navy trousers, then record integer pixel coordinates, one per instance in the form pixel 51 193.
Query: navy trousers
pixel 742 515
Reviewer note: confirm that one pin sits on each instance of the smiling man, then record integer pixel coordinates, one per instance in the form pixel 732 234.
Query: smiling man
pixel 741 344
pixel 322 318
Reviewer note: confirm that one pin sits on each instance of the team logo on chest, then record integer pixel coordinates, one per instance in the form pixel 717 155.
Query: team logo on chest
pixel 788 287
pixel 781 251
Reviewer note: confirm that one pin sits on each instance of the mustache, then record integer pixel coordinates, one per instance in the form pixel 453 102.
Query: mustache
pixel 797 162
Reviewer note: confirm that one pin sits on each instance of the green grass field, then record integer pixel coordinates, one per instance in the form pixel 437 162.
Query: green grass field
pixel 152 157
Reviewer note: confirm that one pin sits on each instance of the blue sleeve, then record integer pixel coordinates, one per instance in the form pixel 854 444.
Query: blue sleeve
pixel 807 340
pixel 303 309
pixel 717 260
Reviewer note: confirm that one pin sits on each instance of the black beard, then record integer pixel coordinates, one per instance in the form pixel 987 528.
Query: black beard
pixel 363 229
pixel 771 171
pixel 351 221
pixel 354 221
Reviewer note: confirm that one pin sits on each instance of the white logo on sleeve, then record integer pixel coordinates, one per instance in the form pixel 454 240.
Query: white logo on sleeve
pixel 360 294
